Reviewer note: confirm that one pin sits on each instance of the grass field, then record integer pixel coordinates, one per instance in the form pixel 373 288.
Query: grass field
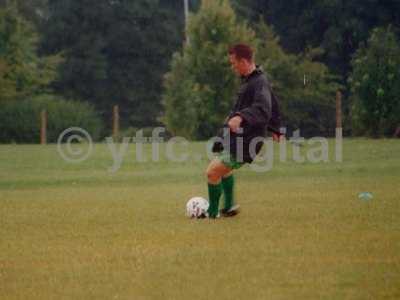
pixel 78 231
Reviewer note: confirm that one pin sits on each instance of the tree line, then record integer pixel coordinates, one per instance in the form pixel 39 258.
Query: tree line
pixel 132 53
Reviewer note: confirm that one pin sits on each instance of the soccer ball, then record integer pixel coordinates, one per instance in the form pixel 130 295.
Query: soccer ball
pixel 197 207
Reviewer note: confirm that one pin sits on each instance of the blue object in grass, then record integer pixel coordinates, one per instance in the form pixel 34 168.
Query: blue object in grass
pixel 365 196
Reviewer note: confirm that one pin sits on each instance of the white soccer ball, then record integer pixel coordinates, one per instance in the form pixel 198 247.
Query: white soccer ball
pixel 197 207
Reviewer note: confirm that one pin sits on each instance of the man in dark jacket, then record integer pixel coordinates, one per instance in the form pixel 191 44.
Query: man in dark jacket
pixel 244 129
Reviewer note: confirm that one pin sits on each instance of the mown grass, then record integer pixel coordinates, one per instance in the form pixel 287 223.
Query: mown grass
pixel 78 231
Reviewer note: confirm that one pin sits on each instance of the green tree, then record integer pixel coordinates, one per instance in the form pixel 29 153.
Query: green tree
pixel 306 88
pixel 199 88
pixel 34 11
pixel 375 84
pixel 116 52
pixel 17 50
pixel 22 71
pixel 7 86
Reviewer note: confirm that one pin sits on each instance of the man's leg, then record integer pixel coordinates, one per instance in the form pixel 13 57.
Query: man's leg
pixel 215 171
pixel 228 183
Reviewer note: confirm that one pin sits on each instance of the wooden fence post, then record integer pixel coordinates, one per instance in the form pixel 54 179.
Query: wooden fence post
pixel 338 109
pixel 115 122
pixel 339 130
pixel 43 127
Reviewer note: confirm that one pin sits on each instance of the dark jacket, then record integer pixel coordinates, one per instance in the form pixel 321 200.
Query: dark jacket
pixel 254 104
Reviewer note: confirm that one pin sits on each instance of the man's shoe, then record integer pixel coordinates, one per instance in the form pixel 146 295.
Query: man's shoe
pixel 231 212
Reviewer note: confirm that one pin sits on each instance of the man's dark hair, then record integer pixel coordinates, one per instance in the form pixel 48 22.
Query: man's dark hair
pixel 241 51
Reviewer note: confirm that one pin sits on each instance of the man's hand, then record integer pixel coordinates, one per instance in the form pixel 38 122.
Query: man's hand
pixel 234 123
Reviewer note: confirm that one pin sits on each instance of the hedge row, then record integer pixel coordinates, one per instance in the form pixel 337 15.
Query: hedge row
pixel 20 120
